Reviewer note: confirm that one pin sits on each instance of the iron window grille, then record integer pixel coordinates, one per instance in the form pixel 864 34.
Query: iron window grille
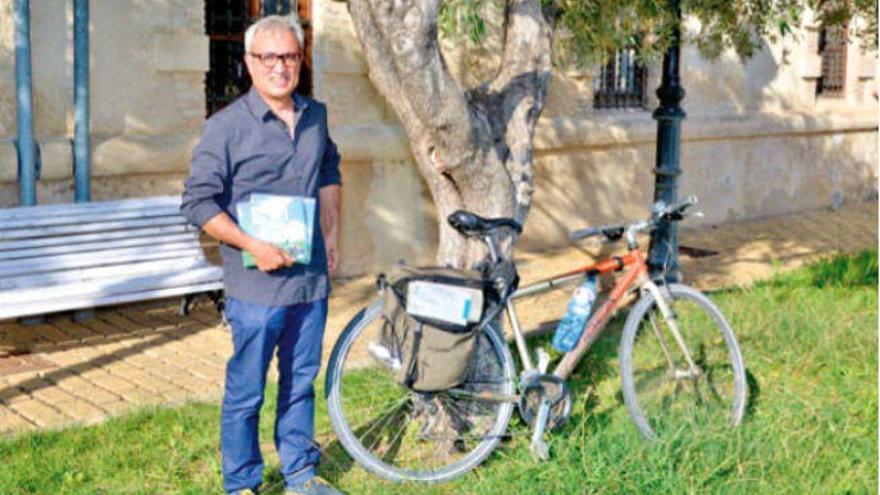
pixel 832 49
pixel 621 82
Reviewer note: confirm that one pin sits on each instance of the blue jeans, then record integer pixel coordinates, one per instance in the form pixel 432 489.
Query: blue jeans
pixel 257 331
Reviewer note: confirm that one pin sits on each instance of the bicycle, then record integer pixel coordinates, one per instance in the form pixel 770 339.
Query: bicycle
pixel 674 341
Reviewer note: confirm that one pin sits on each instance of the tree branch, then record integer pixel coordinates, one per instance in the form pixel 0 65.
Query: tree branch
pixel 519 90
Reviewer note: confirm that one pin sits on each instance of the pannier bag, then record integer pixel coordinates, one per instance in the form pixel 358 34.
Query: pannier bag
pixel 431 317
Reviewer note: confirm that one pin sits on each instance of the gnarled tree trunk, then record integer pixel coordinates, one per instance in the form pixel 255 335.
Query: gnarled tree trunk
pixel 474 148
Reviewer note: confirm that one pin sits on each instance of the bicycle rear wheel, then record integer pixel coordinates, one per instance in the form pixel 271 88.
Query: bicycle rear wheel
pixel 662 393
pixel 402 435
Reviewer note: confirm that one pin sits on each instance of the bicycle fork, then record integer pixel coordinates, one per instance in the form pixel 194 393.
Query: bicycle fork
pixel 672 322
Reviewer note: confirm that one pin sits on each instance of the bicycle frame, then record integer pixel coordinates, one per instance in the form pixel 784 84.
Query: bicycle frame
pixel 635 275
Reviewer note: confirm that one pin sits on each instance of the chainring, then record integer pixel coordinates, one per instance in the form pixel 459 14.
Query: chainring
pixel 555 390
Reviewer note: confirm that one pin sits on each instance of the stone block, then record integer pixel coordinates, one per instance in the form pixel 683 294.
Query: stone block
pixel 365 143
pixel 137 396
pixel 116 408
pixel 8 161
pixel 180 52
pixel 810 60
pixel 83 411
pixel 340 55
pixel 351 100
pixel 11 422
pixel 57 158
pixel 868 65
pixel 39 413
pixel 125 155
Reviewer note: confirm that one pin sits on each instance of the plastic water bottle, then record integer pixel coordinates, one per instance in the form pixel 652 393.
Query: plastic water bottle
pixel 571 326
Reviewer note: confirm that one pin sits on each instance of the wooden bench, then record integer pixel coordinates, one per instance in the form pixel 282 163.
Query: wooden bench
pixel 77 256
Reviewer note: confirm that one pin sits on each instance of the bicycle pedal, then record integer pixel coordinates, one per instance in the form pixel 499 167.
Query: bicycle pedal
pixel 538 446
pixel 541 450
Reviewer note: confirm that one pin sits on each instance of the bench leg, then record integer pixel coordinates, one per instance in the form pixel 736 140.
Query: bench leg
pixel 83 315
pixel 185 303
pixel 32 321
pixel 219 300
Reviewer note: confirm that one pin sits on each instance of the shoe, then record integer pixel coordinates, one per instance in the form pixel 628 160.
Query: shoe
pixel 314 486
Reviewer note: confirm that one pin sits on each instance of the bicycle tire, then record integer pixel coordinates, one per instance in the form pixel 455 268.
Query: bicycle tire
pixel 341 359
pixel 651 404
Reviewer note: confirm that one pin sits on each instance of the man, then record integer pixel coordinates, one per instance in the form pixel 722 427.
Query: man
pixel 269 141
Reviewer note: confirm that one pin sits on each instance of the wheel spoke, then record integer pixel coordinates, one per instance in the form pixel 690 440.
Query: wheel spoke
pixel 689 395
pixel 399 434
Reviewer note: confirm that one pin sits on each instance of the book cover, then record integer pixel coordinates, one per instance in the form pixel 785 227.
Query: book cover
pixel 286 221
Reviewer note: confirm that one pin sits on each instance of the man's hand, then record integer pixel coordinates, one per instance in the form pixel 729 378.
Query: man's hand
pixel 268 256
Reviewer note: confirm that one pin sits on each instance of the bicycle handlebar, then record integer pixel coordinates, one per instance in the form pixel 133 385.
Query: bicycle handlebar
pixel 660 211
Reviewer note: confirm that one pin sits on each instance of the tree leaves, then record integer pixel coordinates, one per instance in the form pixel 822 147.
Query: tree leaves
pixel 587 31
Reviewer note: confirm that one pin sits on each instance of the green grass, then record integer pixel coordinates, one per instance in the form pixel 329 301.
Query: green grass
pixel 809 339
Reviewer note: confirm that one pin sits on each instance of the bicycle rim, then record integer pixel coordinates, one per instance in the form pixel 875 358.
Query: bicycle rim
pixel 405 436
pixel 662 393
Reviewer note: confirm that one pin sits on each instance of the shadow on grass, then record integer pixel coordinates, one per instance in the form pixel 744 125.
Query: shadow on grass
pixel 754 394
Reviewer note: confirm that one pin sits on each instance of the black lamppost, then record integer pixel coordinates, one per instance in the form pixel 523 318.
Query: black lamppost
pixel 664 240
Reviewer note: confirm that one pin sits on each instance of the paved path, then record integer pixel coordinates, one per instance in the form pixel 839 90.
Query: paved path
pixel 62 372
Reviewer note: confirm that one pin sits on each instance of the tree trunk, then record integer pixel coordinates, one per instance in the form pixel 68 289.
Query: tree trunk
pixel 473 148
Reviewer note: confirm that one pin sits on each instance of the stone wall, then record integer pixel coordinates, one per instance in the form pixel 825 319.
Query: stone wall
pixel 757 141
pixel 147 67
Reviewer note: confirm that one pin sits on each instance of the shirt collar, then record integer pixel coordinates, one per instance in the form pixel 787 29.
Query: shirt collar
pixel 262 111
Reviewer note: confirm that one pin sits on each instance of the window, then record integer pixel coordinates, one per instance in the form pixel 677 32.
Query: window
pixel 225 24
pixel 621 82
pixel 832 49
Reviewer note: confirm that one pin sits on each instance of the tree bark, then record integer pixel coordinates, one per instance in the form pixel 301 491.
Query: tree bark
pixel 473 148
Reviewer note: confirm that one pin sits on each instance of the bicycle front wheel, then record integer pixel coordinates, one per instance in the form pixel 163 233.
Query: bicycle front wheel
pixel 697 382
pixel 403 435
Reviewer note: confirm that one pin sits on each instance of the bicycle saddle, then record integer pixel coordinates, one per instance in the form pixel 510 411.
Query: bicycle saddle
pixel 470 224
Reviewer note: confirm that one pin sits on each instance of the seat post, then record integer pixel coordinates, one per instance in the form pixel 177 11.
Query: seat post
pixel 489 239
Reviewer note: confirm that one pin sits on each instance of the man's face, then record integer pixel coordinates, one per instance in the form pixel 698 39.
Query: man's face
pixel 274 62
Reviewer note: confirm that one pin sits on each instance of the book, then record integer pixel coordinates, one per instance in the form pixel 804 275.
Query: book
pixel 285 221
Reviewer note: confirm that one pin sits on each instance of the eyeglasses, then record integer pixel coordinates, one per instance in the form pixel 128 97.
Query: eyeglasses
pixel 270 59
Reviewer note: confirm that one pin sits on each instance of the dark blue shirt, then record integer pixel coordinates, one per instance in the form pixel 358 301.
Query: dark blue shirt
pixel 245 148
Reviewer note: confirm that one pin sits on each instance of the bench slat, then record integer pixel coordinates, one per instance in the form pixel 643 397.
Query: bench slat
pixel 90 227
pixel 72 256
pixel 116 285
pixel 149 232
pixel 88 217
pixel 86 301
pixel 23 212
pixel 84 260
pixel 30 281
pixel 95 246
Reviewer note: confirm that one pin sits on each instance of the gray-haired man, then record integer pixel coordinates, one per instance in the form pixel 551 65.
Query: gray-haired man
pixel 269 141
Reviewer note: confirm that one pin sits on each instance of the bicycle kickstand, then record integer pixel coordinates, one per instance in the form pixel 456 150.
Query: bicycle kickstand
pixel 539 446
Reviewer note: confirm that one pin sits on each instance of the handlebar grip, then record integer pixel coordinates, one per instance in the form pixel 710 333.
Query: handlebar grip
pixel 584 233
pixel 685 203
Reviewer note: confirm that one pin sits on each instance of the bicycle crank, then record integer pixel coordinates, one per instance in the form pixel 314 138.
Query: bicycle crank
pixel 549 389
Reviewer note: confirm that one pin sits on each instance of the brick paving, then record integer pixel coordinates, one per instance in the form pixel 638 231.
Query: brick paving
pixel 62 372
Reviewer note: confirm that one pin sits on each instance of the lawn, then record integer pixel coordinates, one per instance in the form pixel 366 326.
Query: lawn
pixel 809 339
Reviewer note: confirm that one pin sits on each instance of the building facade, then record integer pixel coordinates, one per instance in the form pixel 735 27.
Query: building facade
pixel 793 128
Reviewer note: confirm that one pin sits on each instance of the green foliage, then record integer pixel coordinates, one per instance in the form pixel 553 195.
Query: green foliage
pixel 809 340
pixel 845 271
pixel 588 30
pixel 462 17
